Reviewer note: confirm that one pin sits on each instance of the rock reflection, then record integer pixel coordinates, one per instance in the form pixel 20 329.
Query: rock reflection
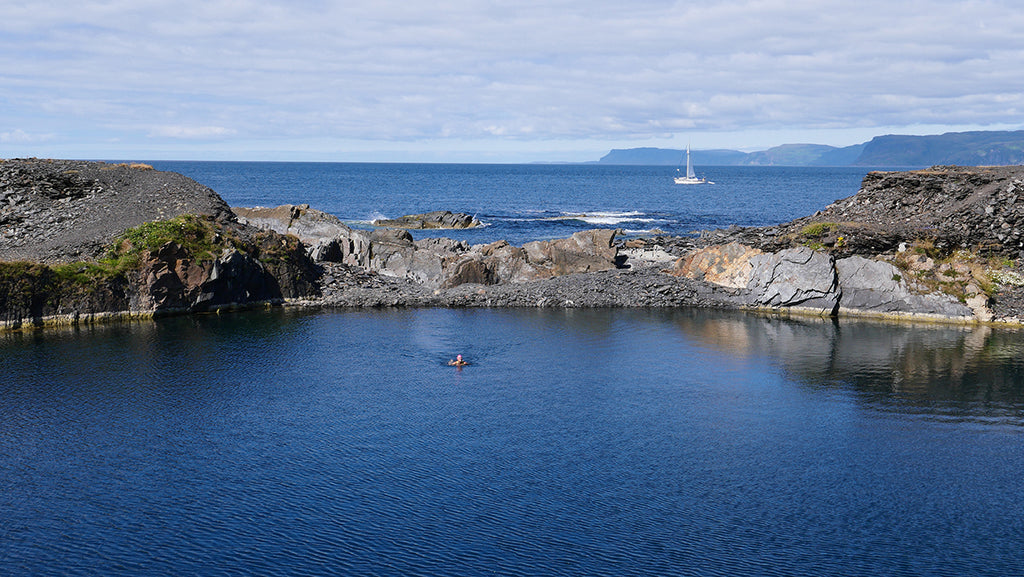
pixel 952 371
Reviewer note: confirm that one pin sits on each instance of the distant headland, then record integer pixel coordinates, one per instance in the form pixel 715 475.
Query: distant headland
pixel 980 148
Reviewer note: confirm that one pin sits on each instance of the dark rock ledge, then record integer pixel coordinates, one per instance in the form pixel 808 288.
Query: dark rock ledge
pixel 438 219
pixel 941 244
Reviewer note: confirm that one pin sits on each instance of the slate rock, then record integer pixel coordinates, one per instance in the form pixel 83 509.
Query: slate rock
pixel 798 277
pixel 875 286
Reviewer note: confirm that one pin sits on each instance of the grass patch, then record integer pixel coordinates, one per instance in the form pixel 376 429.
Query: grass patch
pixel 201 237
pixel 954 272
pixel 85 273
pixel 26 286
pixel 926 247
pixel 817 229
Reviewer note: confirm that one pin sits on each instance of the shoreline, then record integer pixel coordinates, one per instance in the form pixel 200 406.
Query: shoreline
pixel 643 288
pixel 930 246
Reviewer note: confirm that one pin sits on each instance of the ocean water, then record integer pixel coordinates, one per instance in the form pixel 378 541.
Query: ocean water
pixel 520 203
pixel 578 442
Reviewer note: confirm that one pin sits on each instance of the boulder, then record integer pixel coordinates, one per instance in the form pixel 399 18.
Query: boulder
pixel 724 265
pixel 584 251
pixel 308 224
pixel 796 278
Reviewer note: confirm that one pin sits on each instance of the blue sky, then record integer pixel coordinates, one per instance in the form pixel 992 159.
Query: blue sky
pixel 473 81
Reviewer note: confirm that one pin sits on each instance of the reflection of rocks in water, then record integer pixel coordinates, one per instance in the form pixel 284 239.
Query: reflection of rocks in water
pixel 921 367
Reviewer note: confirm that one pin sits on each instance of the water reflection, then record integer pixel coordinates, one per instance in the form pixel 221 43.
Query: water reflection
pixel 945 371
pixel 960 372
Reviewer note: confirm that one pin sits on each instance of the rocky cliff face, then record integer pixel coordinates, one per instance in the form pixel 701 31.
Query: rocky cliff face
pixel 816 282
pixel 265 269
pixel 83 240
pixel 943 242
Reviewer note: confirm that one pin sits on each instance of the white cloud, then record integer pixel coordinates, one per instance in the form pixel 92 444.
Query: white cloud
pixel 526 71
pixel 190 132
pixel 19 136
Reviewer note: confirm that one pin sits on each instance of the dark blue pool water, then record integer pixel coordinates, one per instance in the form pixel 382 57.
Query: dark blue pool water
pixel 597 442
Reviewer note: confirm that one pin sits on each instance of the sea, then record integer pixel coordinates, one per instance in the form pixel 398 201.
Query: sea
pixel 581 442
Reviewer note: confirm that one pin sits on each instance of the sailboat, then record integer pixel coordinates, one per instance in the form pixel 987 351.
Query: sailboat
pixel 691 177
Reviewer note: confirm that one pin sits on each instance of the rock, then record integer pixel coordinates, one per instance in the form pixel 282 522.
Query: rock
pixel 872 286
pixel 310 225
pixel 170 279
pixel 442 262
pixel 954 207
pixel 71 210
pixel 655 256
pixel 794 278
pixel 584 251
pixel 747 266
pixel 431 220
pixel 978 305
pixel 725 265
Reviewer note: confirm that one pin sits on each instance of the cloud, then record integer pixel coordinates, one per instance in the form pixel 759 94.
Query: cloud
pixel 522 71
pixel 19 136
pixel 190 132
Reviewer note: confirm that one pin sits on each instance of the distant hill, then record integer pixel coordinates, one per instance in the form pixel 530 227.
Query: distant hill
pixel 978 148
pixel 961 148
pixel 668 156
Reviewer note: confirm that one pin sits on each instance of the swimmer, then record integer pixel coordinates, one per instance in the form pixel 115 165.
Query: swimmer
pixel 457 361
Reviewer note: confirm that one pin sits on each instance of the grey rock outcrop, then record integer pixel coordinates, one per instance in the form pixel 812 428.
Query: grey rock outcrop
pixel 797 278
pixel 813 281
pixel 307 224
pixel 438 262
pixel 953 206
pixel 873 286
pixel 444 263
pixel 438 219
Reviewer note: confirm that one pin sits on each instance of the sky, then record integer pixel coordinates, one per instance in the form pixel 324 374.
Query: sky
pixel 495 81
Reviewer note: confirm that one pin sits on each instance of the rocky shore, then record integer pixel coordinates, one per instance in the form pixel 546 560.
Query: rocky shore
pixel 81 241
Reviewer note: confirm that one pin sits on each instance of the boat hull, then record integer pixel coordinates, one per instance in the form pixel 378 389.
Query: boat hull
pixel 688 180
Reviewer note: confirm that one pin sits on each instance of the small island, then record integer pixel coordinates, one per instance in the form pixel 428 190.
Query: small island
pixel 438 219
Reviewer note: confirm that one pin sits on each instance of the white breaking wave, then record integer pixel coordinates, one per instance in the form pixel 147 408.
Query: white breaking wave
pixel 606 217
pixel 367 221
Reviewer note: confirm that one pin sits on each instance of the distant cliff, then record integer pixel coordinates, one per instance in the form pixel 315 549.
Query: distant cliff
pixel 981 148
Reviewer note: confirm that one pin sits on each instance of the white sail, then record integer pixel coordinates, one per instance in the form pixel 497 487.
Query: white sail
pixel 691 177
